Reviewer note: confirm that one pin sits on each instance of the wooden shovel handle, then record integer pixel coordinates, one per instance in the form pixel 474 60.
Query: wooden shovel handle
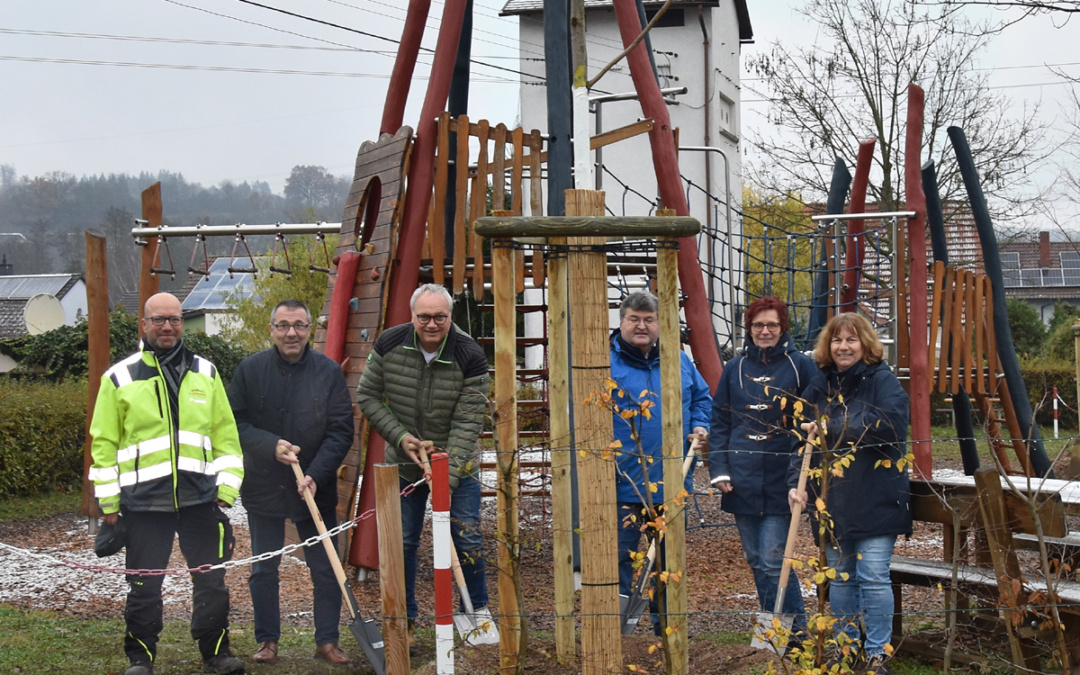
pixel 331 553
pixel 793 527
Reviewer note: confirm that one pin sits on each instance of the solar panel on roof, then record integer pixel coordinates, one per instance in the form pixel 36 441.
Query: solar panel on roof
pixel 210 292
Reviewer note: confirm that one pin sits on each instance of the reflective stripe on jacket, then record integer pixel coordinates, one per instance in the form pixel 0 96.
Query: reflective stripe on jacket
pixel 145 461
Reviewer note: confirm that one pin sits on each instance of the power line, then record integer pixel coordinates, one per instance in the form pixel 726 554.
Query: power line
pixel 839 96
pixel 431 23
pixel 373 35
pixel 990 69
pixel 222 69
pixel 212 43
pixel 185 41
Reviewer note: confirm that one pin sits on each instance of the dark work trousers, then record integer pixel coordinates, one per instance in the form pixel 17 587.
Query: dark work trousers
pixel 268 534
pixel 202 531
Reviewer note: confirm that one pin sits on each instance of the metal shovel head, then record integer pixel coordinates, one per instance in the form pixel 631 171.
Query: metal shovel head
pixel 631 608
pixel 477 628
pixel 771 631
pixel 367 633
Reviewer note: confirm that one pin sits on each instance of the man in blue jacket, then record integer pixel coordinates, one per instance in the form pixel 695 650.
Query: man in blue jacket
pixel 635 368
pixel 292 407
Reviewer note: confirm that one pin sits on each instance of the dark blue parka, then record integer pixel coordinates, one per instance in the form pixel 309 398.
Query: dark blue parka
pixel 751 439
pixel 306 403
pixel 865 406
pixel 639 378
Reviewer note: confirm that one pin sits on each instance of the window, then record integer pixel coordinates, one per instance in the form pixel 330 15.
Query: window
pixel 671 19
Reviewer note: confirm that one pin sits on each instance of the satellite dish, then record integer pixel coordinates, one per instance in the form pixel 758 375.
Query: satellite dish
pixel 43 313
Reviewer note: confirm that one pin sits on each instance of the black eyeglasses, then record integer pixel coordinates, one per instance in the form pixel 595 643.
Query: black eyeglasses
pixel 758 327
pixel 284 327
pixel 439 319
pixel 160 320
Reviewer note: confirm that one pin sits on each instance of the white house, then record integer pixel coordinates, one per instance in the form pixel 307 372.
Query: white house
pixel 696 45
pixel 17 290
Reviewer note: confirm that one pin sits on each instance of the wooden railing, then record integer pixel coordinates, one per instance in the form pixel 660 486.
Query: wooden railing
pixel 508 163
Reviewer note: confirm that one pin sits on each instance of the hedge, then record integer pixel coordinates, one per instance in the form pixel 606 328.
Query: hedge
pixel 42 431
pixel 1040 377
pixel 62 353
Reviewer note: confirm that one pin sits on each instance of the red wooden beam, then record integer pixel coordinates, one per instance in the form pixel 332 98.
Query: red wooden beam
pixel 666 166
pixel 397 94
pixel 853 264
pixel 919 389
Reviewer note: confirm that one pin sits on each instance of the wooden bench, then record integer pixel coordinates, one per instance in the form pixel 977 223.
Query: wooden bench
pixel 1005 522
pixel 1064 549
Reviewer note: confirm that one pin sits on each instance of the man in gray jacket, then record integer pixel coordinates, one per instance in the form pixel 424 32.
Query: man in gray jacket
pixel 426 384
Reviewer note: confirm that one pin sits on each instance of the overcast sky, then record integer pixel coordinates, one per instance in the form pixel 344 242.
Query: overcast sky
pixel 109 86
pixel 184 102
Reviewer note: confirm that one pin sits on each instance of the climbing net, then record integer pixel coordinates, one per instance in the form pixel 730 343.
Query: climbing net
pixel 807 262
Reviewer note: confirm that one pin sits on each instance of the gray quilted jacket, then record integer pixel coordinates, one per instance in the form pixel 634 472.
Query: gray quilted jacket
pixel 443 401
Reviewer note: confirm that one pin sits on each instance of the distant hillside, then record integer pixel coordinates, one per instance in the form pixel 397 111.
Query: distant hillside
pixel 51 213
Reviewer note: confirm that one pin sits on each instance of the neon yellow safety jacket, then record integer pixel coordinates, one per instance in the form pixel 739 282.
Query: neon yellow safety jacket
pixel 145 461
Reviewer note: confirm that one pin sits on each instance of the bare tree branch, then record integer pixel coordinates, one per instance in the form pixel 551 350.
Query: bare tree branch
pixel 852 85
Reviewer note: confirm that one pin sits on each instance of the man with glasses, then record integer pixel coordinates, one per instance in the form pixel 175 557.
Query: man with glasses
pixel 292 407
pixel 425 388
pixel 635 368
pixel 166 456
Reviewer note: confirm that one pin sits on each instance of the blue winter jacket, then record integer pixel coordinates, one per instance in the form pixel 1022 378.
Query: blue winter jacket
pixel 638 377
pixel 868 413
pixel 751 440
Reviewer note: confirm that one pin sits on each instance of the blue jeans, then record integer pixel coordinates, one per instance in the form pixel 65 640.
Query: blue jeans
pixel 464 530
pixel 629 538
pixel 763 539
pixel 268 534
pixel 867 591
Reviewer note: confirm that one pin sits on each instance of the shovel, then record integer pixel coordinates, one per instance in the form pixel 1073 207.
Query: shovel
pixel 766 620
pixel 474 627
pixel 632 607
pixel 364 630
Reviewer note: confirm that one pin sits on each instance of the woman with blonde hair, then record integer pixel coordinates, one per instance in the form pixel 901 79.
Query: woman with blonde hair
pixel 861 415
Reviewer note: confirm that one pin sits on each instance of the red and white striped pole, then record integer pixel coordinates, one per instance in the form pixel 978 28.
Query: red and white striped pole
pixel 444 580
pixel 1055 413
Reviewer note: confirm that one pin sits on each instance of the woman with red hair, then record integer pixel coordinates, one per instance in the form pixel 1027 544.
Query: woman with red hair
pixel 751 445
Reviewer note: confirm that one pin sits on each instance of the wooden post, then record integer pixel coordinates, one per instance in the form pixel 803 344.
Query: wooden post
pixel 667 286
pixel 586 273
pixel 601 646
pixel 97 326
pixel 561 485
pixel 391 569
pixel 919 389
pixel 502 289
pixel 152 213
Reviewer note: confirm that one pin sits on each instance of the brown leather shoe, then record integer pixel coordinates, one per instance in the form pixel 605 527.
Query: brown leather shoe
pixel 331 653
pixel 266 653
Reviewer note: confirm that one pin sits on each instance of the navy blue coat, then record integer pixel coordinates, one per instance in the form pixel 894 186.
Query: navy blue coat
pixel 865 406
pixel 307 403
pixel 751 439
pixel 639 378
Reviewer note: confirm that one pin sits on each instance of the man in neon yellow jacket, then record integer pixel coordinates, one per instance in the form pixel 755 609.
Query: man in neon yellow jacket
pixel 167 457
